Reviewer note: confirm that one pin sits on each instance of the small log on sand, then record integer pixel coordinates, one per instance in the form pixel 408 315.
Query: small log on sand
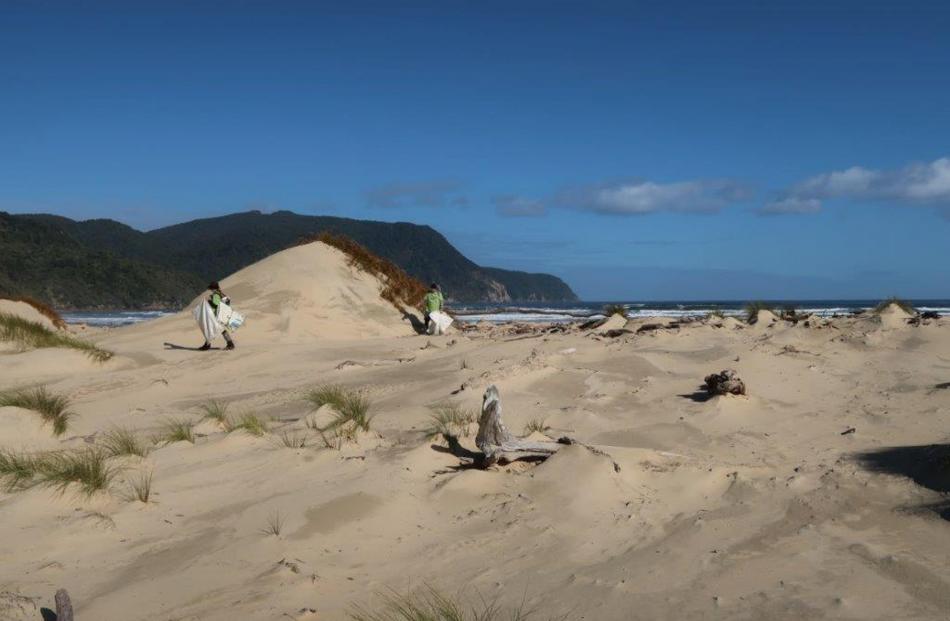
pixel 725 383
pixel 64 607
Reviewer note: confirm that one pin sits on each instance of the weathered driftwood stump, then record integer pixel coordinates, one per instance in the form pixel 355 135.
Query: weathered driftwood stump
pixel 64 607
pixel 496 442
pixel 725 383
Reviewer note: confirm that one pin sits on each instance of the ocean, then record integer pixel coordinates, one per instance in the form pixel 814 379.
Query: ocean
pixel 567 312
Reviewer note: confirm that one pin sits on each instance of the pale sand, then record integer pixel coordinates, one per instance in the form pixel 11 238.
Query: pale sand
pixel 731 508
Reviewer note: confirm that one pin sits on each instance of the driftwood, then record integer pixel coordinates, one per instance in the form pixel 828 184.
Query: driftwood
pixel 725 383
pixel 64 607
pixel 498 445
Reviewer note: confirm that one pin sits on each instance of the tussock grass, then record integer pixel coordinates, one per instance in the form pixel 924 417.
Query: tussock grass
pixel 275 524
pixel 536 424
pixel 177 430
pixel 428 604
pixel 88 468
pixel 250 423
pixel 615 309
pixel 350 409
pixel 752 310
pixel 904 305
pixel 32 335
pixel 44 309
pixel 215 410
pixel 449 420
pixel 16 469
pixel 399 288
pixel 53 408
pixel 716 312
pixel 141 488
pixel 121 441
pixel 293 439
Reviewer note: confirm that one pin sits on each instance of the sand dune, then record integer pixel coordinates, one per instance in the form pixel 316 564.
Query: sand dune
pixel 757 507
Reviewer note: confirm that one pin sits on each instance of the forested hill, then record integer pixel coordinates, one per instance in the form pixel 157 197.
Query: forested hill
pixel 107 264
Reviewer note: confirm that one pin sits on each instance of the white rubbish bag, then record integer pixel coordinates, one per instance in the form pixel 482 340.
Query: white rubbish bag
pixel 439 323
pixel 229 318
pixel 207 322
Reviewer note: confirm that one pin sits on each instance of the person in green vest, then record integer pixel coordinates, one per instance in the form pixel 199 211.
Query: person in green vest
pixel 214 300
pixel 432 302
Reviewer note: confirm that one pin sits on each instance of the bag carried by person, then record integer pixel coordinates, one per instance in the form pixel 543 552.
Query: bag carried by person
pixel 229 318
pixel 439 322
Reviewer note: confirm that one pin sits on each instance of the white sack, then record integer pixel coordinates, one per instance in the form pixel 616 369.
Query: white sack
pixel 439 323
pixel 207 322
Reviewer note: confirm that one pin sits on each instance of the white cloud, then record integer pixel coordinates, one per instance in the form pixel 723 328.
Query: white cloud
pixel 915 183
pixel 518 206
pixel 644 197
pixel 790 205
pixel 438 193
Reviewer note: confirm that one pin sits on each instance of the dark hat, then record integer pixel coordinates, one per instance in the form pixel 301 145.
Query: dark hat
pixel 214 285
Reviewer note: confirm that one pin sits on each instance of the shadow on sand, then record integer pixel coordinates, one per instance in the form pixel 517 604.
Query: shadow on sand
pixel 184 348
pixel 417 323
pixel 700 396
pixel 926 465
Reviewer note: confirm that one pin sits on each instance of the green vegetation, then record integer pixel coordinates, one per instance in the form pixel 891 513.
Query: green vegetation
pixel 121 441
pixel 57 469
pixel 428 604
pixel 54 409
pixel 904 305
pixel 716 312
pixel 43 309
pixel 450 420
pixel 250 423
pixel 215 410
pixel 177 430
pixel 615 309
pixel 350 409
pixel 102 263
pixel 32 335
pixel 789 313
pixel 752 310
pixel 536 424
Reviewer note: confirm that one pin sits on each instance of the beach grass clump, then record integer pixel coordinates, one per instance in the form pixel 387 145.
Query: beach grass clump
pixel 89 468
pixel 27 334
pixel 177 430
pixel 536 424
pixel 215 410
pixel 44 309
pixel 752 310
pixel 350 409
pixel 904 305
pixel 293 439
pixel 53 408
pixel 122 441
pixel 17 470
pixel 429 604
pixel 615 309
pixel 275 524
pixel 399 288
pixel 449 420
pixel 249 423
pixel 140 488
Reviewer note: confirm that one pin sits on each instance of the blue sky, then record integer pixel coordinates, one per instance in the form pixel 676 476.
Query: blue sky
pixel 639 150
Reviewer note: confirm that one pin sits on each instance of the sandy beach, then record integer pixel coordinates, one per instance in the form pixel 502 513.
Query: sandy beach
pixel 791 502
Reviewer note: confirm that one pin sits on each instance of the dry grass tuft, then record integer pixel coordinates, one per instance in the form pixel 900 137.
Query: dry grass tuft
pixel 428 604
pixel 450 420
pixel 399 288
pixel 53 408
pixel 141 488
pixel 31 335
pixel 17 469
pixel 275 524
pixel 215 410
pixel 293 439
pixel 615 309
pixel 536 424
pixel 89 468
pixel 752 310
pixel 43 308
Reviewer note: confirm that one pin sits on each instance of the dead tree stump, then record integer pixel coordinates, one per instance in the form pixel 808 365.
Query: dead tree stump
pixel 64 607
pixel 496 442
pixel 725 383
